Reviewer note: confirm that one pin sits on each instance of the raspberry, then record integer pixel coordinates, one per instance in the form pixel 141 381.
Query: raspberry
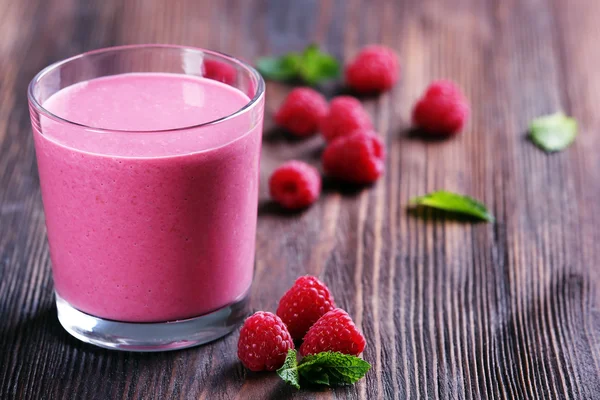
pixel 357 158
pixel 302 305
pixel 219 71
pixel 295 185
pixel 443 109
pixel 334 331
pixel 375 69
pixel 264 342
pixel 301 111
pixel 346 114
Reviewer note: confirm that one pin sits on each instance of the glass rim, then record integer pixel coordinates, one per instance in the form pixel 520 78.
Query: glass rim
pixel 260 90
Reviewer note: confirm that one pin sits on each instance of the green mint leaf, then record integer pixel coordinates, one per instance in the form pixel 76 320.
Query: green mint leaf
pixel 289 370
pixel 316 377
pixel 553 132
pixel 454 202
pixel 312 66
pixel 332 369
pixel 312 50
pixel 317 65
pixel 280 68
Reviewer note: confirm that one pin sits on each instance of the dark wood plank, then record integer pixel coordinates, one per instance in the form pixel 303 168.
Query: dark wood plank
pixel 450 310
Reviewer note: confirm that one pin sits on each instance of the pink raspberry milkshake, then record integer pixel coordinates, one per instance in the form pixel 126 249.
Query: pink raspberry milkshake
pixel 146 224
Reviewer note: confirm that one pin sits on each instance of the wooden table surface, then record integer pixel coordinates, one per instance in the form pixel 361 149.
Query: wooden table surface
pixel 450 309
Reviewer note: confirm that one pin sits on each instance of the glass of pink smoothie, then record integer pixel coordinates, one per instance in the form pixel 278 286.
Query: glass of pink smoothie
pixel 148 159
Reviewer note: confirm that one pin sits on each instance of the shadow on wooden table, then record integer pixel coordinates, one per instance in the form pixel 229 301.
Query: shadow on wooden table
pixel 183 373
pixel 277 134
pixel 45 327
pixel 333 185
pixel 269 207
pixel 45 320
pixel 268 386
pixel 329 185
pixel 419 134
pixel 431 214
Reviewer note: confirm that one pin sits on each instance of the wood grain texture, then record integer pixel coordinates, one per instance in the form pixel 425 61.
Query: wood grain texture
pixel 450 310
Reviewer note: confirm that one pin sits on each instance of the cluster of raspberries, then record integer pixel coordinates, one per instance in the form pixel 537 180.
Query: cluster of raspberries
pixel 306 312
pixel 355 153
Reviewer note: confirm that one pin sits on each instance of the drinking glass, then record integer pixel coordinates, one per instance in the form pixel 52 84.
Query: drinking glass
pixel 151 232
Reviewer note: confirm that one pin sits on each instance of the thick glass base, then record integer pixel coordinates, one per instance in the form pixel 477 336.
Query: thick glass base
pixel 146 337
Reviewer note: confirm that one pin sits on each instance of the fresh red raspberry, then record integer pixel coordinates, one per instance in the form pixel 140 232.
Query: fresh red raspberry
pixel 358 158
pixel 375 69
pixel 264 342
pixel 301 111
pixel 346 115
pixel 334 331
pixel 443 109
pixel 219 71
pixel 295 185
pixel 302 305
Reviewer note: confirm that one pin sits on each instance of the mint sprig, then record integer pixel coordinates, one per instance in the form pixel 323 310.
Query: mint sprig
pixel 326 368
pixel 454 202
pixel 289 370
pixel 553 132
pixel 312 66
